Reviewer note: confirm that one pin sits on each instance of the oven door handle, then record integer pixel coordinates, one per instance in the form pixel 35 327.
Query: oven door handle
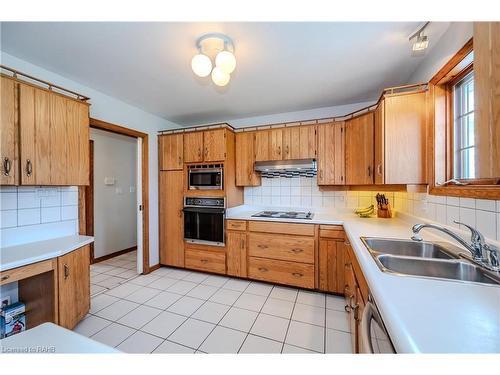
pixel 205 210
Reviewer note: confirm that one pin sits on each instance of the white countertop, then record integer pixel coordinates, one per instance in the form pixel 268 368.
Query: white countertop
pixel 50 338
pixel 421 315
pixel 21 255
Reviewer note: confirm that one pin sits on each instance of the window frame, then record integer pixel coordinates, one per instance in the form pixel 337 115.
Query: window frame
pixel 441 124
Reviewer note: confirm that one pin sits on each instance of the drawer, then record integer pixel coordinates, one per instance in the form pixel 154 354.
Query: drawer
pixel 281 272
pixel 281 228
pixel 27 271
pixel 236 225
pixel 210 261
pixel 289 248
pixel 332 231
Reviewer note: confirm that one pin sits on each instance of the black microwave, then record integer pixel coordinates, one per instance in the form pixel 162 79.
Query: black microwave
pixel 205 178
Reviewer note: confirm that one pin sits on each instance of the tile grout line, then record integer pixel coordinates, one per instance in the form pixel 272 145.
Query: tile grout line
pixel 289 322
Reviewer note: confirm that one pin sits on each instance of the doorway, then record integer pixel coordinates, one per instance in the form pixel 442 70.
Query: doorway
pixel 139 187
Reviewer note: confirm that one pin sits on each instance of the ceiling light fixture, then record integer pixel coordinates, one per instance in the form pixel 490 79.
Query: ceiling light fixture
pixel 214 47
pixel 420 42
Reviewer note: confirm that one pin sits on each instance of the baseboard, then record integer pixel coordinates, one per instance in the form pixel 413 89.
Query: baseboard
pixel 112 255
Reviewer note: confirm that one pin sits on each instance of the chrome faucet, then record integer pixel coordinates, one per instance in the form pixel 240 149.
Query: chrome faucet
pixel 482 253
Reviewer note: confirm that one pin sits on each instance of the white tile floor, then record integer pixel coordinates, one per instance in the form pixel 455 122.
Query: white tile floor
pixel 110 273
pixel 179 311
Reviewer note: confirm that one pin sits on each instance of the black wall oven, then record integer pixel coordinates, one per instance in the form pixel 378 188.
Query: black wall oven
pixel 204 220
pixel 205 177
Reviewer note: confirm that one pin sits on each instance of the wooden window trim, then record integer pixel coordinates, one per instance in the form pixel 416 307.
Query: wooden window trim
pixel 478 188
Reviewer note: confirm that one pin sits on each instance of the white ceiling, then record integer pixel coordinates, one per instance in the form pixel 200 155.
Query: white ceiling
pixel 281 67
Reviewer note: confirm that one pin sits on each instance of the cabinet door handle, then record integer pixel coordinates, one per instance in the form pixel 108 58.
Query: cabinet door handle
pixel 262 246
pixel 321 174
pixel 287 150
pixel 206 151
pixel 263 269
pixel 199 153
pixel 5 277
pixel 7 165
pixel 279 150
pixel 180 160
pixel 379 169
pixel 242 244
pixel 180 213
pixel 66 271
pixel 296 251
pixel 29 168
pixel 204 261
pixel 297 274
pixel 369 171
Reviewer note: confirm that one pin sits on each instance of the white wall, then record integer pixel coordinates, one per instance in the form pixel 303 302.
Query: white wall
pixel 310 114
pixel 115 206
pixel 115 111
pixel 452 40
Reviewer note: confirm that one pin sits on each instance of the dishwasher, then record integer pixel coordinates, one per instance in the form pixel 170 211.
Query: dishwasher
pixel 374 336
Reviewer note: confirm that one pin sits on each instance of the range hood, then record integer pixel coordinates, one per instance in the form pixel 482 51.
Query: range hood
pixel 287 168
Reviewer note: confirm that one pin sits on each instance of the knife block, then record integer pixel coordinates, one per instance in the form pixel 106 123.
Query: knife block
pixel 384 211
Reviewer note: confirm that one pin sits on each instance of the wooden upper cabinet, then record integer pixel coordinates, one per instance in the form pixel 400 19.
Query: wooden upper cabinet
pixel 291 143
pixel 78 150
pixel 379 143
pixel 34 121
pixel 261 139
pixel 214 144
pixel 193 147
pixel 276 144
pixel 58 142
pixel 487 98
pixel 245 173
pixel 359 150
pixel 307 145
pixel 8 129
pixel 331 146
pixel 404 139
pixel 170 154
pixel 73 271
pixel 171 192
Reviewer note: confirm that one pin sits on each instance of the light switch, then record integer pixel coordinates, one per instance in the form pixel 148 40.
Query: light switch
pixel 119 190
pixel 109 180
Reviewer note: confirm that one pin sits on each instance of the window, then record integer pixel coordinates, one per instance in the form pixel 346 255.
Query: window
pixel 464 145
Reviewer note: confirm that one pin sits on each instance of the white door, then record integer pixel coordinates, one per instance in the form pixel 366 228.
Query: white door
pixel 139 206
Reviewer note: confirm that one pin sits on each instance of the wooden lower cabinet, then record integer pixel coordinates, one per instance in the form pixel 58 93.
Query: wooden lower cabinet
pixel 236 253
pixel 356 295
pixel 281 247
pixel 331 266
pixel 171 195
pixel 74 286
pixel 281 272
pixel 199 258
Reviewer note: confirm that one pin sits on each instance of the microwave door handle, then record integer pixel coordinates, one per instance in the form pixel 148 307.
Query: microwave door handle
pixel 198 225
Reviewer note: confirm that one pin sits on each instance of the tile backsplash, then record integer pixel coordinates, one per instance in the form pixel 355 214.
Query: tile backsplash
pixel 37 213
pixel 304 192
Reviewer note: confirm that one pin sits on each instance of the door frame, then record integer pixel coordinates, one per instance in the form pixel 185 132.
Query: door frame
pixel 83 203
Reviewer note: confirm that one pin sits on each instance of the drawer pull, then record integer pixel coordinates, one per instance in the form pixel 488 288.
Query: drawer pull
pixel 297 274
pixel 262 246
pixel 5 277
pixel 263 269
pixel 204 261
pixel 296 251
pixel 66 271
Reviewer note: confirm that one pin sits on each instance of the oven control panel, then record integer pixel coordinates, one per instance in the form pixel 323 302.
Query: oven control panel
pixel 204 202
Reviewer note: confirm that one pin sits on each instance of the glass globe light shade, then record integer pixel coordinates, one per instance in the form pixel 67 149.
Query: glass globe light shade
pixel 201 65
pixel 226 61
pixel 220 77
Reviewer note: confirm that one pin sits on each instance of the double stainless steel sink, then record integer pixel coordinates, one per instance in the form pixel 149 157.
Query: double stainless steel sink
pixel 426 259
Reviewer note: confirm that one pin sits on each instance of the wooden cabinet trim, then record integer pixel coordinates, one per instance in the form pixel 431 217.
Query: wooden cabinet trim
pixel 281 228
